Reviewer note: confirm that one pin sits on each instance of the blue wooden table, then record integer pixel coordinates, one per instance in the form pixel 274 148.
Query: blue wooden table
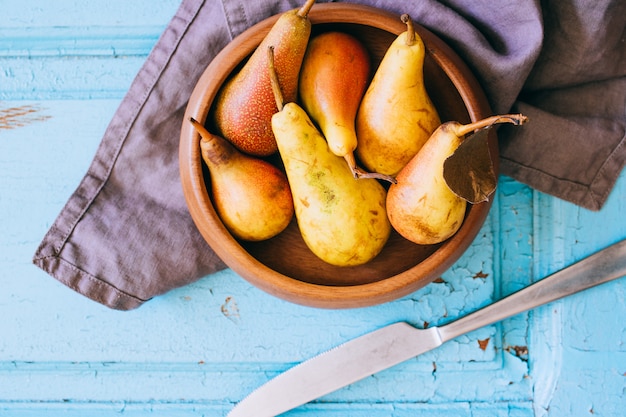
pixel 64 67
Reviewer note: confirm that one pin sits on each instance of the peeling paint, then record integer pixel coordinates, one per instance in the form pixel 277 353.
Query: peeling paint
pixel 482 344
pixel 16 117
pixel 519 351
pixel 230 310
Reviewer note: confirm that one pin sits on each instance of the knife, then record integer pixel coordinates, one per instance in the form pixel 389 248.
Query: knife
pixel 398 342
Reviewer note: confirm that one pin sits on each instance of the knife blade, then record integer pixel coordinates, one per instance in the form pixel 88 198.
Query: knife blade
pixel 390 345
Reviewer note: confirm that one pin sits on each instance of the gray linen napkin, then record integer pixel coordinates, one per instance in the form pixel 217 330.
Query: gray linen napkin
pixel 125 235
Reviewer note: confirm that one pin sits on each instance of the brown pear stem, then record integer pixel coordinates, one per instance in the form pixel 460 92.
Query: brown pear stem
pixel 410 29
pixel 516 119
pixel 358 173
pixel 306 7
pixel 278 94
pixel 215 149
pixel 204 134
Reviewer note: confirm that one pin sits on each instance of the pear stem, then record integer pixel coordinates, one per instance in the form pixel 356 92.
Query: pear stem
pixel 410 29
pixel 204 134
pixel 516 119
pixel 215 149
pixel 306 7
pixel 278 94
pixel 359 173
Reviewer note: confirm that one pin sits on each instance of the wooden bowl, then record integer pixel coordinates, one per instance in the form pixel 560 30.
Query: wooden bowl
pixel 283 266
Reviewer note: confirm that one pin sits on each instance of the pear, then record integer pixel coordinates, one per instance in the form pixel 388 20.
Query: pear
pixel 421 207
pixel 341 219
pixel 245 105
pixel 334 75
pixel 396 115
pixel 251 196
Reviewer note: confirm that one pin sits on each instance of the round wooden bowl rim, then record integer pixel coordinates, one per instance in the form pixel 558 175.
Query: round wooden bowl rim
pixel 271 281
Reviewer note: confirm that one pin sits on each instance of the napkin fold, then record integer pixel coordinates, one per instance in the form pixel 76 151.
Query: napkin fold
pixel 126 236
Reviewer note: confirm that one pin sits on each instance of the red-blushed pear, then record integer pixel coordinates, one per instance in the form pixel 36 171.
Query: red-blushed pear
pixel 245 105
pixel 421 206
pixel 334 75
pixel 251 196
pixel 396 115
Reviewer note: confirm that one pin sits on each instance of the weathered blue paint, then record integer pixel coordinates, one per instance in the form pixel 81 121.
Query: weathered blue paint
pixel 198 349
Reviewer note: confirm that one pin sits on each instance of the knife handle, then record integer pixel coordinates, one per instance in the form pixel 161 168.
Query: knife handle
pixel 603 266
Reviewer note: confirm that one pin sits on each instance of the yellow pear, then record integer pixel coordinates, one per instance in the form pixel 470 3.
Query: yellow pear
pixel 245 104
pixel 334 75
pixel 251 196
pixel 396 115
pixel 421 207
pixel 342 220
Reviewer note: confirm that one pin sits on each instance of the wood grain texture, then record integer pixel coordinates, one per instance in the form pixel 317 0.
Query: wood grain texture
pixel 197 350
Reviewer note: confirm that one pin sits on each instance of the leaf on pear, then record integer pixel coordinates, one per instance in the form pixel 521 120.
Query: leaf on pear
pixel 469 171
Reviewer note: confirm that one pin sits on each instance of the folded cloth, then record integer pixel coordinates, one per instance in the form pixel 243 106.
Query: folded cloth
pixel 125 235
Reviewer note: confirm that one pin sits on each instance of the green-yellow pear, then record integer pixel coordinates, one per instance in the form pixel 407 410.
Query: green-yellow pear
pixel 396 115
pixel 334 75
pixel 421 207
pixel 251 196
pixel 342 219
pixel 245 105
